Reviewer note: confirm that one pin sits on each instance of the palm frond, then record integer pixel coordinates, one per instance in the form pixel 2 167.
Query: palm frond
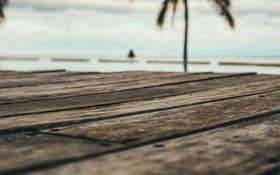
pixel 175 5
pixel 224 6
pixel 3 3
pixel 162 13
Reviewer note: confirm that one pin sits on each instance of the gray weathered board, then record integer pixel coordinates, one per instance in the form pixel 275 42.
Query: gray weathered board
pixel 59 122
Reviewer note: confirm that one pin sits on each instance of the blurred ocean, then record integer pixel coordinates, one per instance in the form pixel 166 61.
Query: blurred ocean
pixel 95 35
pixel 110 63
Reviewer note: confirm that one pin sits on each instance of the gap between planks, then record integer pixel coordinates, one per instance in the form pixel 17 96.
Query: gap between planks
pixel 62 118
pixel 68 77
pixel 252 146
pixel 121 96
pixel 98 87
pixel 90 157
pixel 271 98
pixel 71 87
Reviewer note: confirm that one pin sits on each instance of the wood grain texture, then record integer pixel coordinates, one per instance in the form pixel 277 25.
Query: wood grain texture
pixel 248 148
pixel 45 79
pixel 94 84
pixel 38 106
pixel 139 123
pixel 23 151
pixel 101 84
pixel 62 118
pixel 7 74
pixel 27 76
pixel 132 131
pixel 36 74
pixel 175 122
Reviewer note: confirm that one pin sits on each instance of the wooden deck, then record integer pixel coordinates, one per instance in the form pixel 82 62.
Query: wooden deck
pixel 139 123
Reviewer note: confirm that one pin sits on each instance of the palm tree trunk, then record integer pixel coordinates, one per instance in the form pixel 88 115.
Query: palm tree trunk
pixel 186 36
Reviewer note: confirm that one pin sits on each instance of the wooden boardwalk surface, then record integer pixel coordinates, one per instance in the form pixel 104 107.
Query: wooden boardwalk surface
pixel 139 123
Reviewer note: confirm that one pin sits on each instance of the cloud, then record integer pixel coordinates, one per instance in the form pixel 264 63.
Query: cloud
pixel 111 6
pixel 114 26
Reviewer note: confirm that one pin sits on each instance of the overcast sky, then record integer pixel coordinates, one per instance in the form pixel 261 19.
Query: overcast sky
pixel 90 27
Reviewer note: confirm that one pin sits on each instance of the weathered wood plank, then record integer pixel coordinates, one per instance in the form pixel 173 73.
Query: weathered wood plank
pixel 39 106
pixel 40 83
pixel 193 116
pixel 34 79
pixel 165 125
pixel 21 76
pixel 22 151
pixel 63 118
pixel 175 122
pixel 104 85
pixel 48 79
pixel 249 148
pixel 17 73
pixel 38 74
pixel 86 78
